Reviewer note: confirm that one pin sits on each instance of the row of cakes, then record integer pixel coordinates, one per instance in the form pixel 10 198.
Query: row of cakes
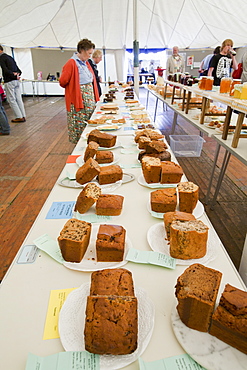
pixel 120 303
pixel 197 288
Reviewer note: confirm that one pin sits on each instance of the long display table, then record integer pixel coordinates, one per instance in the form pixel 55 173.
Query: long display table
pixel 26 288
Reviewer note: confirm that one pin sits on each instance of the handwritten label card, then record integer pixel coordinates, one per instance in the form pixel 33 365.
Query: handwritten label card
pixel 154 258
pixel 64 361
pixel 61 210
pixel 56 301
pixel 49 246
pixel 181 362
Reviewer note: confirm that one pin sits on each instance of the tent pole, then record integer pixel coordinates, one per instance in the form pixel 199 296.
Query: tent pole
pixel 136 49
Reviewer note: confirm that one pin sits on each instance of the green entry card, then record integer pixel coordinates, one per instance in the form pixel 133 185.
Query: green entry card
pixel 64 361
pixel 180 362
pixel 150 257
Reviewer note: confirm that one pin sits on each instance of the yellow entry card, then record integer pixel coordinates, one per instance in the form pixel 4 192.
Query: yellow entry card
pixel 56 301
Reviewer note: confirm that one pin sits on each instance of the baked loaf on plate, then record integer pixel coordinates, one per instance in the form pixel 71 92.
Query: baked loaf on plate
pixel 91 150
pixel 112 282
pixel 87 171
pixel 102 138
pixel 188 239
pixel 87 197
pixel 188 195
pixel 151 168
pixel 111 325
pixel 74 239
pixel 110 174
pixel 169 217
pixel 229 321
pixel 163 200
pixel 104 156
pixel 109 205
pixel 196 292
pixel 156 147
pixel 171 173
pixel 143 141
pixel 163 156
pixel 110 243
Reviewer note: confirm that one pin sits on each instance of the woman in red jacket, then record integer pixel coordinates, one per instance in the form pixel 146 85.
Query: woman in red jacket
pixel 81 91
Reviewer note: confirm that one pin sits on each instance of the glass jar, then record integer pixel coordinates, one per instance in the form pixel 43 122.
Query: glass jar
pixel 244 92
pixel 202 82
pixel 209 83
pixel 234 82
pixel 225 85
pixel 237 91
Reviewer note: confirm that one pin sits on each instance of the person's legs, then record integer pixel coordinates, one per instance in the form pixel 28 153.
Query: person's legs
pixel 19 98
pixel 11 97
pixel 4 124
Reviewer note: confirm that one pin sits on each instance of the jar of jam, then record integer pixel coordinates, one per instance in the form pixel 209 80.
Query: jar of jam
pixel 234 82
pixel 225 85
pixel 202 82
pixel 237 91
pixel 209 83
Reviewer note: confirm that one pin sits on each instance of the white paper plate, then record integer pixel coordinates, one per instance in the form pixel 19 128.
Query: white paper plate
pixel 197 212
pixel 80 161
pixel 207 350
pixel 158 185
pixel 72 320
pixel 158 242
pixel 89 261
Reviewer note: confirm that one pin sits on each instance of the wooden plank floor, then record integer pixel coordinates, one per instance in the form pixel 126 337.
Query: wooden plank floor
pixel 32 157
pixel 229 213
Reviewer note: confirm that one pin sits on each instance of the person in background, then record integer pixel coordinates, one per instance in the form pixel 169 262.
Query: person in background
pixel 96 58
pixel 11 77
pixel 203 70
pixel 244 65
pixel 175 62
pixel 151 70
pixel 81 90
pixel 4 124
pixel 221 64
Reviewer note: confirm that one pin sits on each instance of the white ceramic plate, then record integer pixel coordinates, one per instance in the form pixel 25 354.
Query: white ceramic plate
pixel 207 350
pixel 107 188
pixel 80 161
pixel 158 242
pixel 197 212
pixel 89 261
pixel 72 319
pixel 158 185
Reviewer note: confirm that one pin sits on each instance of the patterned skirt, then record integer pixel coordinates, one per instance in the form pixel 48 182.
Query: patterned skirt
pixel 77 121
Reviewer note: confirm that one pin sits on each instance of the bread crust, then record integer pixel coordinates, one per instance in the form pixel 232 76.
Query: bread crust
pixel 188 240
pixel 110 174
pixel 87 197
pixel 87 171
pixel 188 194
pixel 171 173
pixel 109 205
pixel 169 217
pixel 163 200
pixel 110 243
pixel 74 239
pixel 196 292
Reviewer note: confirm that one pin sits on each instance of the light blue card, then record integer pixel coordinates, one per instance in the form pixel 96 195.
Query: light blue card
pixel 61 210
pixel 64 361
pixel 181 362
pixel 91 217
pixel 135 165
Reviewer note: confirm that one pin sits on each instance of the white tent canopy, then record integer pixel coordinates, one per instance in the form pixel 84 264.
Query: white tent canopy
pixel 109 23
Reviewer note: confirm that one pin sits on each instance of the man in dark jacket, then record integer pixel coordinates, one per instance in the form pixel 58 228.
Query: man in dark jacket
pixel 11 76
pixel 96 58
